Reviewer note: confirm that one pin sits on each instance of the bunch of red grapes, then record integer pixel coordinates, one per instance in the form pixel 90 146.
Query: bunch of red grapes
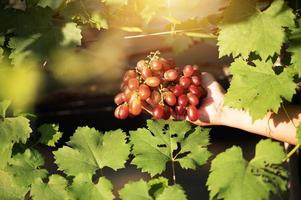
pixel 160 88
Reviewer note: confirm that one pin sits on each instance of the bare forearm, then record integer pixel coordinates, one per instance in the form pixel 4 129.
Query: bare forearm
pixel 276 126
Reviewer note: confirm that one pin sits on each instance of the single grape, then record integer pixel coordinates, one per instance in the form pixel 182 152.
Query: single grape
pixel 141 64
pixel 150 102
pixel 146 72
pixel 196 80
pixel 133 84
pixel 158 112
pixel 185 82
pixel 128 93
pixel 152 81
pixel 144 92
pixel 196 69
pixel 171 75
pixel 120 98
pixel 156 65
pixel 193 99
pixel 192 113
pixel 170 98
pixel 195 90
pixel 178 90
pixel 188 71
pixel 180 110
pixel 128 75
pixel 122 112
pixel 135 106
pixel 156 97
pixel 167 112
pixel 183 100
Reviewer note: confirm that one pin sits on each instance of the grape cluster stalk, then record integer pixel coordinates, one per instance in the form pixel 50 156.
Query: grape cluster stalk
pixel 159 87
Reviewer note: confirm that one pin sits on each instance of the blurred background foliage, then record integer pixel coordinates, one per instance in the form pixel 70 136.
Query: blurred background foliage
pixel 75 42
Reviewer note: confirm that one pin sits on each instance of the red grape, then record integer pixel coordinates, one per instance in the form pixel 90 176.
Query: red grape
pixel 185 82
pixel 135 106
pixel 192 113
pixel 183 100
pixel 156 97
pixel 133 84
pixel 156 65
pixel 180 110
pixel 196 80
pixel 122 112
pixel 188 71
pixel 141 64
pixel 167 112
pixel 120 98
pixel 128 75
pixel 171 75
pixel 158 112
pixel 146 72
pixel 178 90
pixel 195 90
pixel 170 98
pixel 152 81
pixel 144 92
pixel 193 99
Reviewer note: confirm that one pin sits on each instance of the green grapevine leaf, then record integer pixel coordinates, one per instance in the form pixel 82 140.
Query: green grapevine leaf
pixel 246 29
pixel 55 189
pixel 3 107
pixel 91 150
pixel 295 49
pixel 298 134
pixel 12 130
pixel 26 167
pixel 135 190
pixel 232 177
pixel 174 192
pixel 155 145
pixel 54 4
pixel 83 188
pixel 150 9
pixel 41 44
pixel 258 89
pixel 50 134
pixel 140 190
pixel 9 190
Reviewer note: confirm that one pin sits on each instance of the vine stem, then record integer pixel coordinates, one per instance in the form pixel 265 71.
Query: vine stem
pixel 291 153
pixel 168 33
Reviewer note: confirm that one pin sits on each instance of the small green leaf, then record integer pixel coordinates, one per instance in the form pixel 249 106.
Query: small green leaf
pixel 232 177
pixel 72 35
pixel 156 186
pixel 154 147
pixel 174 192
pixel 91 150
pixel 3 107
pixel 26 167
pixel 55 189
pixel 135 190
pixel 12 130
pixel 258 89
pixel 83 188
pixel 50 134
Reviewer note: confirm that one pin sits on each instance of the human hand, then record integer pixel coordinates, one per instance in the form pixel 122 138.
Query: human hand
pixel 210 110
